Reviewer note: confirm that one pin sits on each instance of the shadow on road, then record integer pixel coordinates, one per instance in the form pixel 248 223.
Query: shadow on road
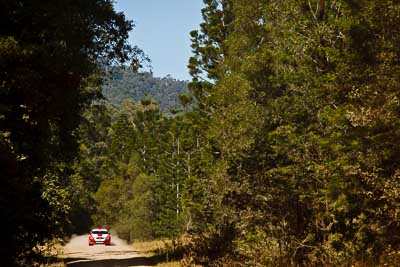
pixel 136 261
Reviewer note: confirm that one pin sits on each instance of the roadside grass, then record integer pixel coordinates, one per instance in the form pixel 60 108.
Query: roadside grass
pixel 48 254
pixel 170 253
pixel 58 264
pixel 151 248
pixel 162 249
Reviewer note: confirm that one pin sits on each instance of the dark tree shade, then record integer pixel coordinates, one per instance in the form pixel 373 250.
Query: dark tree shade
pixel 49 53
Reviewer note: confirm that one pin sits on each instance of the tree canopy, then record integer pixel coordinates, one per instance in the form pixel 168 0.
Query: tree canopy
pixel 304 122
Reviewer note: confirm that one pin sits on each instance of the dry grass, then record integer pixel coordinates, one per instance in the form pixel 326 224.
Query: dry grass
pixel 157 247
pixel 167 249
pixel 170 264
pixel 58 264
pixel 152 247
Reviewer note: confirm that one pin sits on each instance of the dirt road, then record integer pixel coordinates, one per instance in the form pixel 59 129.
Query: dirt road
pixel 78 253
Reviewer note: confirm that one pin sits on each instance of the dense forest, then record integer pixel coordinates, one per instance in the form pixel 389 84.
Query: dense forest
pixel 285 154
pixel 122 83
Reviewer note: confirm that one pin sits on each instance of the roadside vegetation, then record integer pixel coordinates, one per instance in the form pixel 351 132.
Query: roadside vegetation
pixel 169 253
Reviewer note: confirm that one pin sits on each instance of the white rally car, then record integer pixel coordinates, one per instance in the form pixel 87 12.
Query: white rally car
pixel 99 236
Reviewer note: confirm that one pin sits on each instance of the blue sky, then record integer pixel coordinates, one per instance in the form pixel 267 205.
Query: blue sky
pixel 162 31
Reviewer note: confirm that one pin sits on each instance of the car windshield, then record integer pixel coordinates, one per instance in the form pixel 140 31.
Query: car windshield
pixel 99 232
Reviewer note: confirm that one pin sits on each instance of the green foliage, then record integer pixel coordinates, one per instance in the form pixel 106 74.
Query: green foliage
pixel 208 50
pixel 138 171
pixel 141 209
pixel 304 112
pixel 111 199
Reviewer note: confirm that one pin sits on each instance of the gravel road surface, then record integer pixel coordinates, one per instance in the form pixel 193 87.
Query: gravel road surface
pixel 78 253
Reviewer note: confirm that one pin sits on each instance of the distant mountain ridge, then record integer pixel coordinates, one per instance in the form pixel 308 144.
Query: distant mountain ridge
pixel 124 84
